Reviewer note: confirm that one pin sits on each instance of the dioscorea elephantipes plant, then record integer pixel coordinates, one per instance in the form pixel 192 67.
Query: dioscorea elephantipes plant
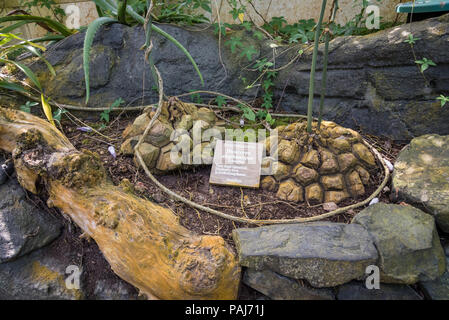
pixel 118 12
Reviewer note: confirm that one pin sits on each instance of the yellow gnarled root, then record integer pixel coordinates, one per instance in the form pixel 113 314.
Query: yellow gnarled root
pixel 143 242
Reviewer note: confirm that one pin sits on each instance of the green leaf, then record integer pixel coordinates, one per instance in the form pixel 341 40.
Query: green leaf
pixel 25 70
pixel 258 35
pixel 141 20
pixel 234 42
pixel 88 41
pixel 34 51
pixel 269 119
pixel 221 101
pixel 411 39
pixel 58 27
pixel 443 99
pixel 27 106
pixel 11 86
pixel 13 27
pixel 248 113
pixel 248 52
pixel 267 84
pixel 57 115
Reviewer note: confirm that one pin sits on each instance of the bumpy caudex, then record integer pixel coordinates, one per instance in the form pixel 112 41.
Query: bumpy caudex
pixel 143 242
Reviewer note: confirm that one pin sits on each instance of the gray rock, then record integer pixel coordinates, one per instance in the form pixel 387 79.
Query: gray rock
pixel 278 287
pixel 421 176
pixel 23 227
pixel 118 67
pixel 437 289
pixel 106 290
pixel 407 241
pixel 358 291
pixel 373 82
pixel 325 254
pixel 37 276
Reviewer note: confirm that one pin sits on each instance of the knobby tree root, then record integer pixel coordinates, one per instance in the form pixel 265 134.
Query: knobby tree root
pixel 143 242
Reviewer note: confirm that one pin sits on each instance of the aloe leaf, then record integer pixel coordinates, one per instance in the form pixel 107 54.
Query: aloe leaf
pixel 13 36
pixel 106 6
pixel 88 41
pixel 54 37
pixel 141 20
pixel 38 54
pixel 59 27
pixel 25 70
pixel 11 86
pixel 13 27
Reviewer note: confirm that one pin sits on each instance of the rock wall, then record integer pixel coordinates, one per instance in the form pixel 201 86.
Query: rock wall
pixel 373 84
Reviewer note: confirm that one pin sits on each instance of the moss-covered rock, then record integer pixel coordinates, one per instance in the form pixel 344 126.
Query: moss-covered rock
pixel 407 241
pixel 421 176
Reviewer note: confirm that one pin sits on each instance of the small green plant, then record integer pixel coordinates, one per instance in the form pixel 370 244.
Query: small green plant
pixel 56 27
pixel 425 64
pixel 411 39
pixel 105 115
pixel 248 113
pixel 220 101
pixel 196 97
pixel 443 99
pixel 27 106
pixel 57 115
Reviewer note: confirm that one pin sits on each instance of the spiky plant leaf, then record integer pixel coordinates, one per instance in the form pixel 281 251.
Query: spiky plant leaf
pixel 106 6
pixel 11 86
pixel 25 70
pixel 34 51
pixel 141 20
pixel 88 41
pixel 47 110
pixel 58 27
pixel 13 27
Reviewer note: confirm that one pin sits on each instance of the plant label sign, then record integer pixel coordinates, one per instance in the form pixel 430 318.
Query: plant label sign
pixel 237 164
